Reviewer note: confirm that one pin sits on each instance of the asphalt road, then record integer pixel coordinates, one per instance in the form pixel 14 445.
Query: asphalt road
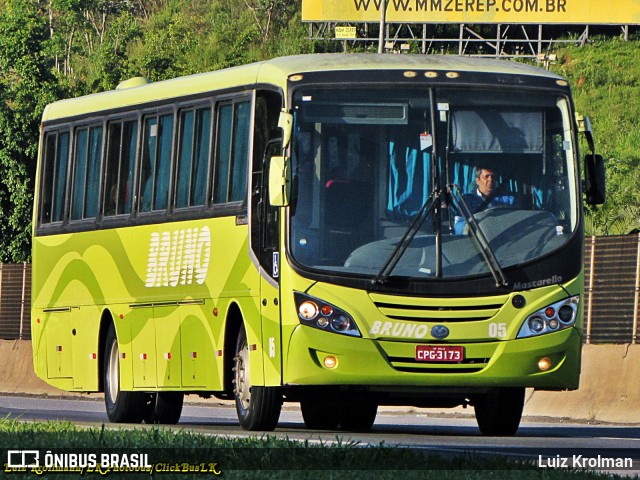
pixel 454 434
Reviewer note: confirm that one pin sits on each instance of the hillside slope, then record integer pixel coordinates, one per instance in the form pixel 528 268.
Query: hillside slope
pixel 605 76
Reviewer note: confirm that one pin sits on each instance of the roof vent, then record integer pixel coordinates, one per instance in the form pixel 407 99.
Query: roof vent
pixel 132 82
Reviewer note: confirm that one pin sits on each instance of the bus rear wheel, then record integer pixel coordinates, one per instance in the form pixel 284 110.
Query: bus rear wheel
pixel 499 411
pixel 258 407
pixel 164 407
pixel 121 406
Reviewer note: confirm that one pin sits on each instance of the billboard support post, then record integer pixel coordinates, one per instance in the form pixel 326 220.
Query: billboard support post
pixel 383 15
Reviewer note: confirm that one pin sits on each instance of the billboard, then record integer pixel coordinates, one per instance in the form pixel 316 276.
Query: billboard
pixel 595 12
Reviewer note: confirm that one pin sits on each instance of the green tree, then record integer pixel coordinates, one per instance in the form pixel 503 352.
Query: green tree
pixel 89 38
pixel 172 41
pixel 26 86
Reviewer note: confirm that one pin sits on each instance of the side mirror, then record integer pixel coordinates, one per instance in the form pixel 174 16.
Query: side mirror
pixel 279 182
pixel 595 187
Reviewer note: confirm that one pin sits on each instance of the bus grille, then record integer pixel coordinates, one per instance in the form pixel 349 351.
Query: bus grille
pixel 418 309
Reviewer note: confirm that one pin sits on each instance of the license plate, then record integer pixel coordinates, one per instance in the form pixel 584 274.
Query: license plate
pixel 439 353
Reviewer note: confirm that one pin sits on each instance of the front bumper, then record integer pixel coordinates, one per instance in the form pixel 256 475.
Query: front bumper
pixel 367 362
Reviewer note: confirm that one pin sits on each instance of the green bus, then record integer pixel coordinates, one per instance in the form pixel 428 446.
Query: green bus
pixel 312 229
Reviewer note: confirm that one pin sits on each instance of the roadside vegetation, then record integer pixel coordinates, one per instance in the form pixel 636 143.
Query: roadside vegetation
pixel 65 48
pixel 263 457
pixel 605 77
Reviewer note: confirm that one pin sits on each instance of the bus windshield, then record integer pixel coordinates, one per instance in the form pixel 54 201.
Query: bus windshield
pixel 430 183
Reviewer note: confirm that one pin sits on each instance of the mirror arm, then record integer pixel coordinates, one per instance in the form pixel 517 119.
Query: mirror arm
pixel 285 122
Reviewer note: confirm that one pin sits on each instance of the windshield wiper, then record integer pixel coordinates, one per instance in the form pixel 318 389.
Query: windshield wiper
pixel 476 232
pixel 406 240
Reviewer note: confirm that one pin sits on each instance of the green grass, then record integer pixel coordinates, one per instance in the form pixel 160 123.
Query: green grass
pixel 263 457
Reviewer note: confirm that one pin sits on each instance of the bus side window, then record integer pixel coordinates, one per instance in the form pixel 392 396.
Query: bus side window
pixel 232 139
pixel 193 157
pixel 54 178
pixel 86 172
pixel 241 129
pixel 222 154
pixel 121 155
pixel 163 162
pixel 156 163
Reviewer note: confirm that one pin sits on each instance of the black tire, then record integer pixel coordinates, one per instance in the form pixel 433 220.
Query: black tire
pixel 358 417
pixel 499 411
pixel 164 408
pixel 258 407
pixel 318 415
pixel 121 406
pixel 329 415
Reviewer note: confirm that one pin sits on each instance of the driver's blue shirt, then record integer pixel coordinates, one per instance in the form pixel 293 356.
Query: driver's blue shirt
pixel 476 200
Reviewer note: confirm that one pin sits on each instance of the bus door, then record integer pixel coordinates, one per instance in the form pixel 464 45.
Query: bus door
pixel 265 244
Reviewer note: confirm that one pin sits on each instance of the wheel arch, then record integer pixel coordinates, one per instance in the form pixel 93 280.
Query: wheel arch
pixel 106 320
pixel 234 322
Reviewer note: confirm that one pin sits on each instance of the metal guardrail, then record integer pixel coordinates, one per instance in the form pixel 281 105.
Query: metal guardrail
pixel 15 301
pixel 611 309
pixel 612 288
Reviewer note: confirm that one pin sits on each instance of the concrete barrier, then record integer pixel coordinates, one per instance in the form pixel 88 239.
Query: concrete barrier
pixel 609 386
pixel 17 376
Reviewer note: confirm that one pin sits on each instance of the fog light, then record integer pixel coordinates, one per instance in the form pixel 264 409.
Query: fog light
pixel 330 361
pixel 544 364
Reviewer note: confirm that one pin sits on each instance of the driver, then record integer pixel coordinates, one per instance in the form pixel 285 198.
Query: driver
pixel 485 196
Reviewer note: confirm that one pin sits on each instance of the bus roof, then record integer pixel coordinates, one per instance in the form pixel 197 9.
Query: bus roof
pixel 275 72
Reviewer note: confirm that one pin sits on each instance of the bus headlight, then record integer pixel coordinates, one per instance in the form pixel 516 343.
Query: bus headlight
pixel 536 324
pixel 551 318
pixel 308 310
pixel 317 313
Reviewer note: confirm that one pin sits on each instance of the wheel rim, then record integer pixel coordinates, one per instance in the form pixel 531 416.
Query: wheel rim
pixel 113 372
pixel 243 384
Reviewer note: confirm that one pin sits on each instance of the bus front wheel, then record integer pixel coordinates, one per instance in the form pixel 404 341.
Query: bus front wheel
pixel 498 412
pixel 121 406
pixel 358 417
pixel 258 407
pixel 317 415
pixel 323 415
